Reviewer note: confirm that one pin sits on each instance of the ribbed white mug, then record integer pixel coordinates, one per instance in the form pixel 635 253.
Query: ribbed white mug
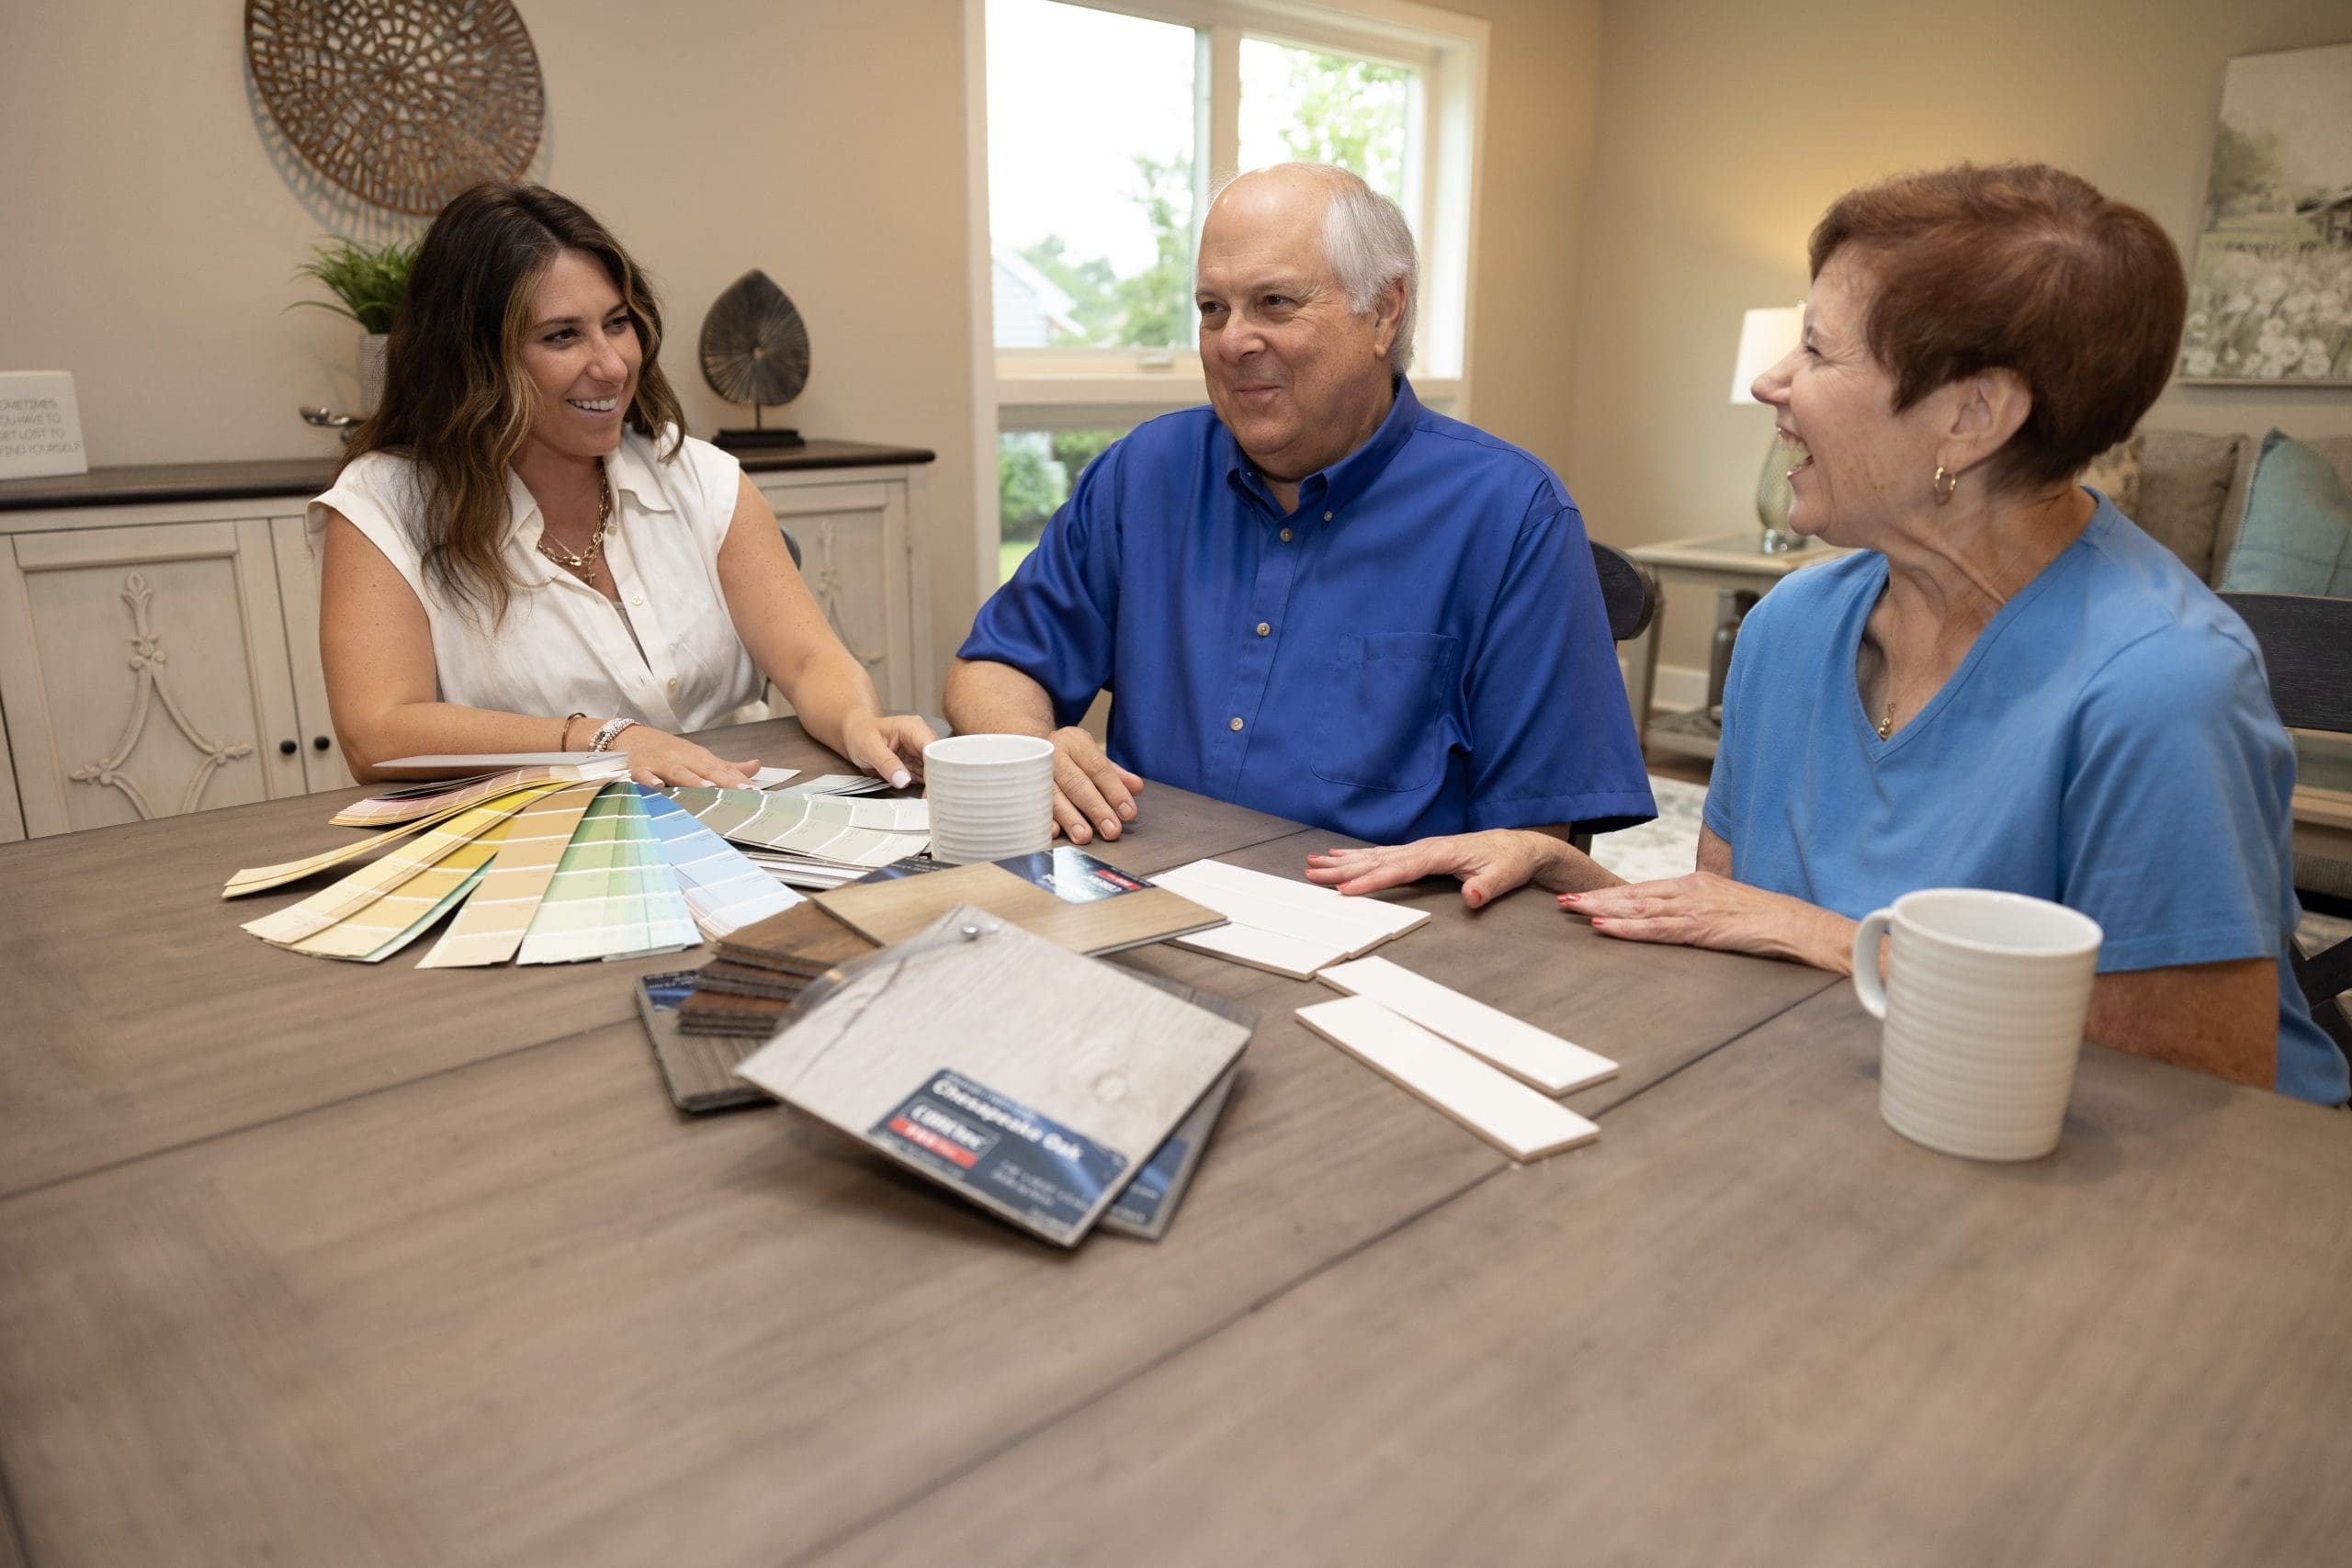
pixel 992 796
pixel 1984 1002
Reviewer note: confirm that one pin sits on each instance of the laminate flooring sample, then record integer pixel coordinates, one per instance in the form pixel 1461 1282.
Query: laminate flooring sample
pixel 1063 894
pixel 1025 1078
pixel 1291 927
pixel 1519 1048
pixel 1499 1108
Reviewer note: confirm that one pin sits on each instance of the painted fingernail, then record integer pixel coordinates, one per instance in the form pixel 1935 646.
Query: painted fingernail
pixel 1476 897
pixel 1571 897
pixel 1598 922
pixel 898 779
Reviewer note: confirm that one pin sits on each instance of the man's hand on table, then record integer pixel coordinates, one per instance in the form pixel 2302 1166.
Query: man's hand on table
pixel 1487 864
pixel 1092 794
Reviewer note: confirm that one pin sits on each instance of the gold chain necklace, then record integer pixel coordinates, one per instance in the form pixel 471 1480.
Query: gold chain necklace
pixel 583 565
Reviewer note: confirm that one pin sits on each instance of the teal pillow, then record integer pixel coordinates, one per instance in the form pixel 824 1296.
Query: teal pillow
pixel 2298 533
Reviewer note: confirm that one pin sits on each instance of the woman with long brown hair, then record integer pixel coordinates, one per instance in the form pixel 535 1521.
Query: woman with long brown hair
pixel 524 551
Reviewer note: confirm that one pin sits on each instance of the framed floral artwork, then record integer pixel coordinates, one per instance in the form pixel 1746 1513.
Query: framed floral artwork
pixel 2270 294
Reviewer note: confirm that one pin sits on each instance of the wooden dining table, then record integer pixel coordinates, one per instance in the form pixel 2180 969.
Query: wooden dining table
pixel 310 1262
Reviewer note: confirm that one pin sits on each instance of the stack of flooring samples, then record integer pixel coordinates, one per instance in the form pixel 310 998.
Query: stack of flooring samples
pixel 762 968
pixel 699 1068
pixel 1291 927
pixel 1492 1072
pixel 543 865
pixel 1063 894
pixel 1029 1080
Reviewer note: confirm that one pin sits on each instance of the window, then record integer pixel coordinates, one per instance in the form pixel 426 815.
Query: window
pixel 1034 471
pixel 1103 125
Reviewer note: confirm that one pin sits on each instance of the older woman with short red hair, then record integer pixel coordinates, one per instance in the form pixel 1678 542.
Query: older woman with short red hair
pixel 2008 686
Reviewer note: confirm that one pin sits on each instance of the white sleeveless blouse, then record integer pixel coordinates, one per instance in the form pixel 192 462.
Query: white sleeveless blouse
pixel 563 646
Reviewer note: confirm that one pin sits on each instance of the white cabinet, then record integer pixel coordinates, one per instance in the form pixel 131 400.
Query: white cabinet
pixel 161 655
pixel 862 557
pixel 145 671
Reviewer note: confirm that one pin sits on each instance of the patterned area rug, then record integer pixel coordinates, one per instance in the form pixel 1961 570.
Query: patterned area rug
pixel 1666 847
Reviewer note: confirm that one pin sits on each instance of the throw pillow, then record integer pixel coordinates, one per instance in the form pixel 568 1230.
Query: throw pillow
pixel 2297 537
pixel 2115 473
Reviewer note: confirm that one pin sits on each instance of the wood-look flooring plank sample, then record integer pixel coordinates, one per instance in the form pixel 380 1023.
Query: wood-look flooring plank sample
pixel 1020 1076
pixel 1551 1063
pixel 803 941
pixel 1499 1108
pixel 1064 895
pixel 699 1068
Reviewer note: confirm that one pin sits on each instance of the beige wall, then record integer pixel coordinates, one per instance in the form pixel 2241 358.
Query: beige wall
pixel 1542 70
pixel 148 236
pixel 1725 128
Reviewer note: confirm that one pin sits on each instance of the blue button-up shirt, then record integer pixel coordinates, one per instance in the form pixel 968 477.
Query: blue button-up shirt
pixel 1419 648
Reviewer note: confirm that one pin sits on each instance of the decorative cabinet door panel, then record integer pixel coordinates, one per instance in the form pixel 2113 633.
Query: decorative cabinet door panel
pixel 12 815
pixel 145 674
pixel 855 557
pixel 298 589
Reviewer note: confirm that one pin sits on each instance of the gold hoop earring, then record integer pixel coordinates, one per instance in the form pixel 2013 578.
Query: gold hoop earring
pixel 1944 485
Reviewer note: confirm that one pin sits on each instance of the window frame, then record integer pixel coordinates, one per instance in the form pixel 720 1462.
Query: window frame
pixel 1036 388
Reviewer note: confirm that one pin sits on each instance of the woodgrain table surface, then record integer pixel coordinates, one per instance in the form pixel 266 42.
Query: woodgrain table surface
pixel 309 1263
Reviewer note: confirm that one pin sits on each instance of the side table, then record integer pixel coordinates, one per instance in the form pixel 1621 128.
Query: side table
pixel 1742 573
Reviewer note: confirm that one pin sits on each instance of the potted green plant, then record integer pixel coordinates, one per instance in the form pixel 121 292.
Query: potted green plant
pixel 367 282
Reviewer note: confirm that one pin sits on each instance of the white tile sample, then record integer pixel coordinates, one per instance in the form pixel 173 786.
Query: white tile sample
pixel 1499 1108
pixel 1519 1048
pixel 1295 908
pixel 1298 957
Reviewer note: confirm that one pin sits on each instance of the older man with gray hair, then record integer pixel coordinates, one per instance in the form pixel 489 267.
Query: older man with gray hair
pixel 1313 597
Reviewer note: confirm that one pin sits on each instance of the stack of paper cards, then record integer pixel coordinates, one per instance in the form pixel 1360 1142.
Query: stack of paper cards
pixel 812 840
pixel 1516 1118
pixel 1276 923
pixel 1029 1080
pixel 550 863
pixel 837 783
pixel 1063 894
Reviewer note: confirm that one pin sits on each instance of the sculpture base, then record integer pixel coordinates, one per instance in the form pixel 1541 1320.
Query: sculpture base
pixel 756 440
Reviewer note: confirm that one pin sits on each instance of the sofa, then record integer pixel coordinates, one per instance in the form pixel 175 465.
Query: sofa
pixel 2191 492
pixel 2192 489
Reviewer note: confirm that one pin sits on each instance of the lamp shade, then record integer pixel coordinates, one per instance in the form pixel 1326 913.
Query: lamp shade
pixel 1765 337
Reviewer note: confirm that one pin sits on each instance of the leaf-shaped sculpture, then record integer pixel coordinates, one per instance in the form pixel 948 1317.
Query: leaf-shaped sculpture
pixel 754 345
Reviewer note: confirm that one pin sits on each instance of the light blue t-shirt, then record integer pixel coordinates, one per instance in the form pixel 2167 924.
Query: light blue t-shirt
pixel 2108 743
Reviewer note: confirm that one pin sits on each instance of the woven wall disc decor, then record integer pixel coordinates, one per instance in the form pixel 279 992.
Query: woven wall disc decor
pixel 403 103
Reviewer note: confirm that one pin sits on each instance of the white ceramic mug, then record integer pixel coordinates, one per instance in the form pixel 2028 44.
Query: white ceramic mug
pixel 991 796
pixel 1982 1003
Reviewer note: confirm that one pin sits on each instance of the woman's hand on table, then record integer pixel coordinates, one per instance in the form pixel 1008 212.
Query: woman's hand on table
pixel 1487 864
pixel 888 746
pixel 657 758
pixel 1705 910
pixel 1092 794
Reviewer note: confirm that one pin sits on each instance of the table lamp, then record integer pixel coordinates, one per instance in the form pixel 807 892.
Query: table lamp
pixel 1765 337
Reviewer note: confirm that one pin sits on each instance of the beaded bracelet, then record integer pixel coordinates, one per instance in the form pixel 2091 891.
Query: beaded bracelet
pixel 613 726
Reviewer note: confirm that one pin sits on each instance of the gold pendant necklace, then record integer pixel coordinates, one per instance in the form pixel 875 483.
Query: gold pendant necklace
pixel 1886 725
pixel 583 565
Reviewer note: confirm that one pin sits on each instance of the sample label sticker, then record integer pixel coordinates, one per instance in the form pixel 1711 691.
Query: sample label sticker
pixel 1025 1166
pixel 1072 875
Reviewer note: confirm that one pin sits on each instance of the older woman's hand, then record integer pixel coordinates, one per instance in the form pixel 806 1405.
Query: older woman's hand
pixel 1488 864
pixel 1705 910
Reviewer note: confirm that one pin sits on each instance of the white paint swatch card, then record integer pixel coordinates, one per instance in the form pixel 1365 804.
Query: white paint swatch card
pixel 1292 928
pixel 1525 1052
pixel 1499 1108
